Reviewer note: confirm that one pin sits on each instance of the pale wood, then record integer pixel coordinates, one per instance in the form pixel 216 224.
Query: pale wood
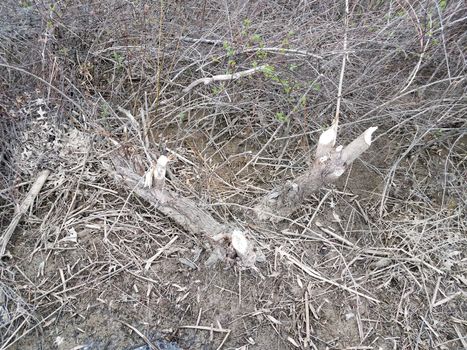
pixel 329 165
pixel 23 208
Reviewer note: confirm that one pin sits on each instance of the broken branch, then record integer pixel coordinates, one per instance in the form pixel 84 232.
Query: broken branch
pixel 228 242
pixel 329 164
pixel 23 208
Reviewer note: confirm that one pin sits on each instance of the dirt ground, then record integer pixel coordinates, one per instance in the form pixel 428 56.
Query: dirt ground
pixel 375 261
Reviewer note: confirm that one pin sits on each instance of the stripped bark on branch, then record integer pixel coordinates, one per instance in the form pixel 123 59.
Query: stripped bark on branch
pixel 228 241
pixel 329 164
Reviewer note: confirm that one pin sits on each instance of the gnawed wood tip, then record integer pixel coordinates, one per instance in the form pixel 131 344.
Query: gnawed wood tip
pixel 354 149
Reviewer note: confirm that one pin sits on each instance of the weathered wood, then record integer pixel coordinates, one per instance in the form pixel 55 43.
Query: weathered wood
pixel 23 208
pixel 329 164
pixel 228 241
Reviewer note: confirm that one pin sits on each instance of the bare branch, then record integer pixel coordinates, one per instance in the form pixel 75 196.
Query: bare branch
pixel 344 59
pixel 329 165
pixel 221 77
pixel 353 150
pixel 187 213
pixel 23 208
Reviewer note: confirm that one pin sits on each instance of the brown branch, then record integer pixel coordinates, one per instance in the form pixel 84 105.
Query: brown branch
pixel 23 208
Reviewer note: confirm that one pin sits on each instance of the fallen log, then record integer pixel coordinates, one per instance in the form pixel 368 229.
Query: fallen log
pixel 228 242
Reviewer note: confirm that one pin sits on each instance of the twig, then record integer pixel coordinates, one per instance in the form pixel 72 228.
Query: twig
pixel 222 77
pixel 146 340
pixel 462 338
pixel 159 252
pixel 417 67
pixel 344 58
pixel 255 157
pixel 32 194
pixel 201 40
pixel 285 52
pixel 307 319
pixel 280 50
pixel 66 97
pixel 205 81
pixel 308 270
pixel 206 328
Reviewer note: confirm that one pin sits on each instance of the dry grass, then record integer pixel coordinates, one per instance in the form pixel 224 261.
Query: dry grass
pixel 378 261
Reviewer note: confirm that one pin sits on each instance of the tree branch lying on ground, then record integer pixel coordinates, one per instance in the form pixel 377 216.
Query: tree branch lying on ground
pixel 229 241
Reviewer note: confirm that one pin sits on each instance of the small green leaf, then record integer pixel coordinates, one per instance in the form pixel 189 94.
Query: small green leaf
pixel 268 70
pixel 442 4
pixel 261 54
pixel 293 67
pixel 280 116
pixel 256 38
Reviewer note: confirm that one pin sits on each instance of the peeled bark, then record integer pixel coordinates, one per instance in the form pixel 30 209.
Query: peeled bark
pixel 329 164
pixel 228 242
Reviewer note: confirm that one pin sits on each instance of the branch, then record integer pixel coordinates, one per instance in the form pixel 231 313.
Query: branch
pixel 344 59
pixel 205 81
pixel 330 163
pixel 229 242
pixel 23 208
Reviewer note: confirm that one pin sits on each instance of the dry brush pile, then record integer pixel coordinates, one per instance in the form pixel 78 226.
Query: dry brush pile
pixel 163 181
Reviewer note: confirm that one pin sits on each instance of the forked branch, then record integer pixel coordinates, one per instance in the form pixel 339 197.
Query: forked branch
pixel 329 164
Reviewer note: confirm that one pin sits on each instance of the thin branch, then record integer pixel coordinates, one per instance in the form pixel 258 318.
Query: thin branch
pixel 344 59
pixel 27 202
pixel 315 274
pixel 66 97
pixel 221 77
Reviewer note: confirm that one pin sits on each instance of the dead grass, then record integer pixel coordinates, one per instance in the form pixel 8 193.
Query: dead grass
pixel 376 262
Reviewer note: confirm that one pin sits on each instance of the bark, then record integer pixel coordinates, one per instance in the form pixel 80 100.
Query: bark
pixel 228 242
pixel 329 165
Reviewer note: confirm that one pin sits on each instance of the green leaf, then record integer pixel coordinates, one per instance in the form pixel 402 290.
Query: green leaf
pixel 293 67
pixel 269 70
pixel 280 116
pixel 442 4
pixel 256 38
